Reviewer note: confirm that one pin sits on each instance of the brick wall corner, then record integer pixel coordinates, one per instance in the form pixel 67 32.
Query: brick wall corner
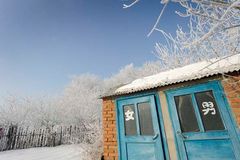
pixel 110 147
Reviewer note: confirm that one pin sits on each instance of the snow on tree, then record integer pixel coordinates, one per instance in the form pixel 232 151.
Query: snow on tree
pixel 80 105
pixel 14 111
pixel 213 31
pixel 80 101
pixel 28 111
pixel 129 73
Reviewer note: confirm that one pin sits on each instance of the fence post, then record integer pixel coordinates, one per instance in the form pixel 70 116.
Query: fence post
pixel 60 140
pixel 9 138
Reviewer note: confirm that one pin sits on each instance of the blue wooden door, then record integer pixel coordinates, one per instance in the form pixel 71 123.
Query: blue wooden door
pixel 203 126
pixel 138 128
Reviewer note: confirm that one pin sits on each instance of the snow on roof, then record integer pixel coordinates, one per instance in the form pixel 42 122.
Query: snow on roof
pixel 186 73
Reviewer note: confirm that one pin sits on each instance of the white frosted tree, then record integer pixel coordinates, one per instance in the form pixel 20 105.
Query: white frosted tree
pixel 29 111
pixel 14 111
pixel 45 112
pixel 129 73
pixel 213 31
pixel 80 103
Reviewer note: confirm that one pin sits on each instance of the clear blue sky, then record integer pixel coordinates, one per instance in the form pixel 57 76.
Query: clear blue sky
pixel 44 42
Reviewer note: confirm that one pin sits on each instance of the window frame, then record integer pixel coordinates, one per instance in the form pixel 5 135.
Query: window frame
pixel 194 111
pixel 218 109
pixel 137 121
pixel 135 116
pixel 197 111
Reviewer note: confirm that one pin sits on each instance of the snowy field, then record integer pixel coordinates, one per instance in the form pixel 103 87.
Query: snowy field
pixel 64 152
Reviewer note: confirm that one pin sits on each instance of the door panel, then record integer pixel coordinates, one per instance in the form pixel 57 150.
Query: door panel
pixel 141 151
pixel 209 149
pixel 139 132
pixel 202 124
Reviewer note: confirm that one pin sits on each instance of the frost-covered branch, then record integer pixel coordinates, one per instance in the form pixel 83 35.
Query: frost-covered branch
pixel 213 31
pixel 131 4
pixel 217 3
pixel 215 28
pixel 158 19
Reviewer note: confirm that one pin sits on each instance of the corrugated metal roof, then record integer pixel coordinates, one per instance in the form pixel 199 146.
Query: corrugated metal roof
pixel 189 72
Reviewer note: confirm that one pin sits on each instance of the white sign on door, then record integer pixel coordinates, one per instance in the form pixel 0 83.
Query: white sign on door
pixel 208 107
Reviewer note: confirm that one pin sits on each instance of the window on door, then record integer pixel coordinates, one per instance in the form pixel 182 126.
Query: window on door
pixel 202 104
pixel 138 116
pixel 186 113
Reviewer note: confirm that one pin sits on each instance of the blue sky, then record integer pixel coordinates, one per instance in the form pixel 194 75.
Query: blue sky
pixel 44 42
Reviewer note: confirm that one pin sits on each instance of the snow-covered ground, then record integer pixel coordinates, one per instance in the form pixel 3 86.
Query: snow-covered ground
pixel 64 152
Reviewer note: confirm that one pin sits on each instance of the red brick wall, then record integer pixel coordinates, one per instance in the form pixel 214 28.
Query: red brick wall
pixel 109 130
pixel 231 86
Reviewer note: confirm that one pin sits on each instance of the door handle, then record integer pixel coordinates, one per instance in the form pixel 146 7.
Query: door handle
pixel 181 135
pixel 155 136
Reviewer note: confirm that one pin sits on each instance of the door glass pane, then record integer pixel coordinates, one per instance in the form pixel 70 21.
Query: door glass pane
pixel 209 111
pixel 145 119
pixel 186 114
pixel 130 120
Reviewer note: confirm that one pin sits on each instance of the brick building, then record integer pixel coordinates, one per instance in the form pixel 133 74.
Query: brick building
pixel 192 112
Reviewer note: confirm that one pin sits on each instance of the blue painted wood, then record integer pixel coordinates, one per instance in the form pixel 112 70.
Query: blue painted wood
pixel 162 129
pixel 141 151
pixel 210 150
pixel 176 126
pixel 118 131
pixel 239 133
pixel 127 149
pixel 207 135
pixel 199 119
pixel 229 135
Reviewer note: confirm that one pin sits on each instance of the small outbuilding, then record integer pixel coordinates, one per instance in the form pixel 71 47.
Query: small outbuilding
pixel 186 113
